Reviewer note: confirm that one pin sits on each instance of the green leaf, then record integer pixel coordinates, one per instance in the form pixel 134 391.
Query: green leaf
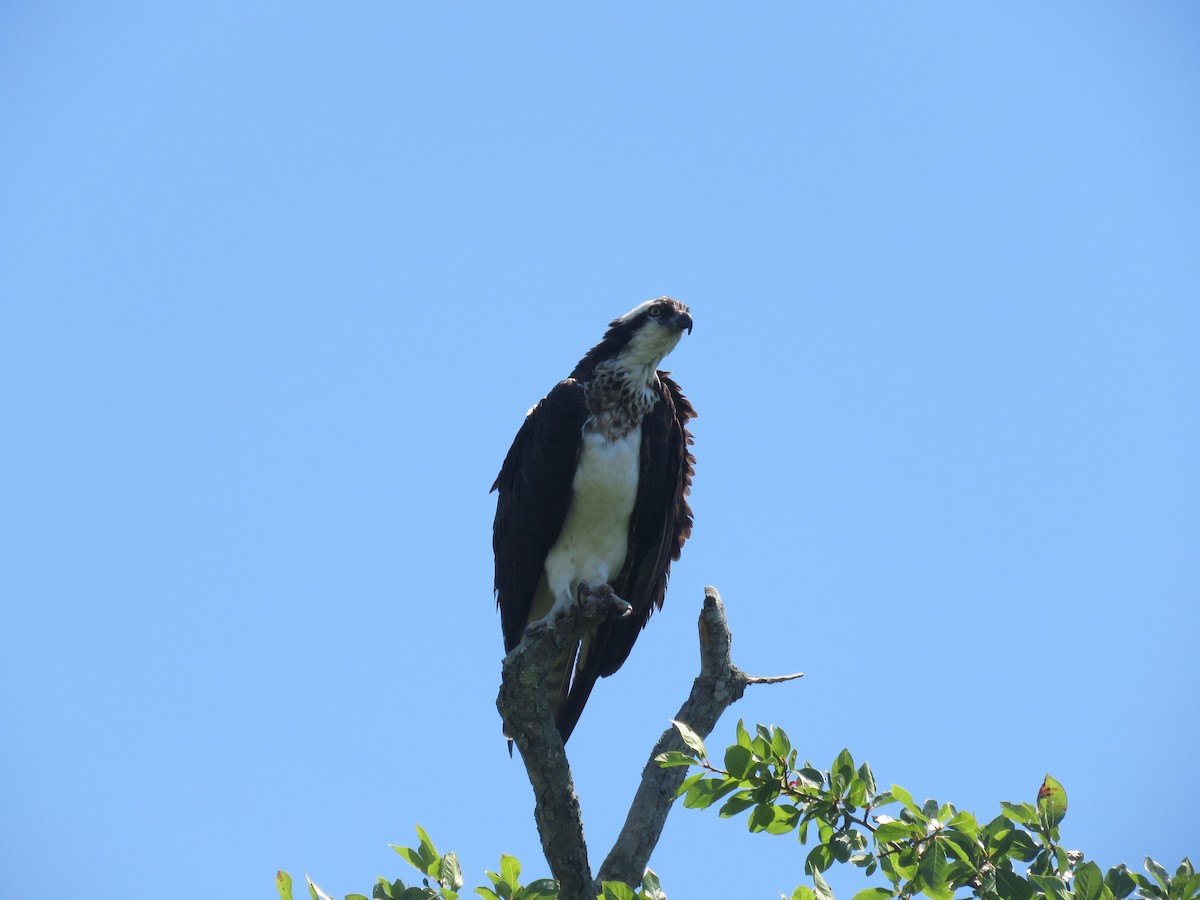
pixel 899 866
pixel 283 884
pixel 315 892
pixel 1062 861
pixel 964 822
pixel 743 737
pixel 761 746
pixel 841 772
pixel 412 857
pixel 692 739
pixel 821 887
pixel 1089 882
pixel 932 871
pixel 487 893
pixel 1043 863
pixel 897 830
pixel 1020 845
pixel 1011 886
pixel 997 834
pixel 510 872
pixel 686 784
pixel 428 853
pixel 883 798
pixel 761 816
pixel 651 887
pixel 810 777
pixel 874 893
pixel 1159 873
pixel 868 779
pixel 899 793
pixel 1054 886
pixel 704 793
pixel 615 890
pixel 964 846
pixel 675 758
pixel 781 745
pixel 450 872
pixel 739 762
pixel 542 889
pixel 1051 802
pixel 803 893
pixel 385 891
pixel 856 795
pixel 1118 881
pixel 819 859
pixel 736 804
pixel 1020 812
pixel 840 847
pixel 959 873
pixel 786 817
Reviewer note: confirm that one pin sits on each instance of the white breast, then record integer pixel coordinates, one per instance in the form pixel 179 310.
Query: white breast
pixel 595 536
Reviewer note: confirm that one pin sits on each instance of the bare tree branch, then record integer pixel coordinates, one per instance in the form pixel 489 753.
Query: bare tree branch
pixel 773 679
pixel 525 709
pixel 719 685
pixel 528 719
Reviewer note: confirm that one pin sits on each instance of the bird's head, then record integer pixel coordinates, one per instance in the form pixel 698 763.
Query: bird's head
pixel 662 312
pixel 654 328
pixel 641 337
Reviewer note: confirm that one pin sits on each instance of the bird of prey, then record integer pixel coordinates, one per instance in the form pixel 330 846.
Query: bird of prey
pixel 593 498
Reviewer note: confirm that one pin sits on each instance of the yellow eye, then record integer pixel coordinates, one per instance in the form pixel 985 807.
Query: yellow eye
pixel 655 311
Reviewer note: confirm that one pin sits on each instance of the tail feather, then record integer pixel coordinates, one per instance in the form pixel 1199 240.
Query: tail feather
pixel 568 711
pixel 558 680
pixel 561 690
pixel 568 685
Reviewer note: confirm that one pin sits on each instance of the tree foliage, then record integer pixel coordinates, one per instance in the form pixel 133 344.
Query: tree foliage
pixel 929 849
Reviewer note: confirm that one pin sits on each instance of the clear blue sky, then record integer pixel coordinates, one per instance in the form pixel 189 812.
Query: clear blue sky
pixel 279 281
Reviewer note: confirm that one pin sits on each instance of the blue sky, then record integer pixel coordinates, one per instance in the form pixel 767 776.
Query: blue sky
pixel 280 280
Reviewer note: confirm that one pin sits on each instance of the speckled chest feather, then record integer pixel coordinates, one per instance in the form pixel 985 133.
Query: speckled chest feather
pixel 617 402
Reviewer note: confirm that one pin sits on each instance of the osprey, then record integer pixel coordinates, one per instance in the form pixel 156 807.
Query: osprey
pixel 593 498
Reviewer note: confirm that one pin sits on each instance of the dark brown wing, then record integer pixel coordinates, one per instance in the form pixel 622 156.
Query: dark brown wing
pixel 535 492
pixel 662 521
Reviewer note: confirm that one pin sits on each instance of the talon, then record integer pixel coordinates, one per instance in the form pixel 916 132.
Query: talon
pixel 604 593
pixel 533 629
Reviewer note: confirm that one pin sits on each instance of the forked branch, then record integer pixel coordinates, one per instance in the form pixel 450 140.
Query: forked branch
pixel 525 709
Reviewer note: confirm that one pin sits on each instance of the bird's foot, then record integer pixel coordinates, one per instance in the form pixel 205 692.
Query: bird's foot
pixel 561 609
pixel 604 593
pixel 570 607
pixel 540 627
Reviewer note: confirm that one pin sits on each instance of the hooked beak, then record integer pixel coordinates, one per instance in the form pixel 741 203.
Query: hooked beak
pixel 683 320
